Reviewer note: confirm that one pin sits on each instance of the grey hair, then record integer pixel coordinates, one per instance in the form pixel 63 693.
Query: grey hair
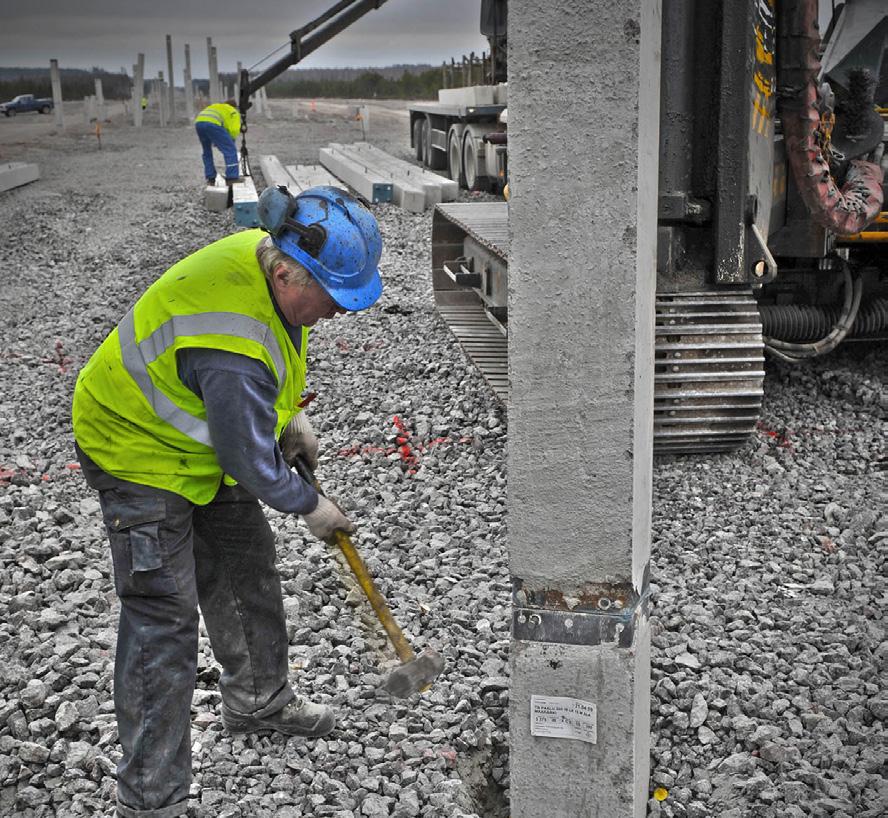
pixel 270 257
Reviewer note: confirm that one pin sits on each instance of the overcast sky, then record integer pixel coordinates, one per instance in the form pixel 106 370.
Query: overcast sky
pixel 110 33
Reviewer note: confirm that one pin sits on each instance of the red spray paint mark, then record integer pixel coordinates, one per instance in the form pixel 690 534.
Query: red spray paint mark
pixel 403 441
pixel 410 455
pixel 780 438
pixel 59 360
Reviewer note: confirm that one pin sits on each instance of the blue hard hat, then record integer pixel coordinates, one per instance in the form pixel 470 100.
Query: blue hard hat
pixel 341 248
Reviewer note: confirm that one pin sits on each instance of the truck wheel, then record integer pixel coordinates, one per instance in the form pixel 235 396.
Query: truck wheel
pixel 44 109
pixel 454 159
pixel 474 179
pixel 418 141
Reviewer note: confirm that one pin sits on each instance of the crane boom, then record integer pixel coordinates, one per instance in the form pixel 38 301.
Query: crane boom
pixel 304 41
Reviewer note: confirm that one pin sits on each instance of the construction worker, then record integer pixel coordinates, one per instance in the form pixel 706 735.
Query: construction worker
pixel 219 124
pixel 185 418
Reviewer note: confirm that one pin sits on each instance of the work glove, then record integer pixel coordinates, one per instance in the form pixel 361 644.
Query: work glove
pixel 327 518
pixel 298 440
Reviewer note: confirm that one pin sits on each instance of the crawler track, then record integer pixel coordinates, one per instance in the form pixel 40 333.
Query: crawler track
pixel 709 355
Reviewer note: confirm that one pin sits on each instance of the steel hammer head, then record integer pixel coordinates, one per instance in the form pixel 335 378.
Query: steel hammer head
pixel 415 675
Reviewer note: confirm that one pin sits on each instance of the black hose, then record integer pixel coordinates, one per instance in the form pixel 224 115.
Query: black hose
pixel 805 323
pixel 792 352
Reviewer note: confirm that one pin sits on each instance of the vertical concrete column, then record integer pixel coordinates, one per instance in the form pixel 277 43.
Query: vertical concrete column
pixel 212 90
pixel 100 101
pixel 266 108
pixel 215 84
pixel 189 86
pixel 161 99
pixel 582 278
pixel 236 94
pixel 56 80
pixel 138 89
pixel 171 92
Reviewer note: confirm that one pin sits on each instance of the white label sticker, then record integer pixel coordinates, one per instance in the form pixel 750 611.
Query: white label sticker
pixel 563 717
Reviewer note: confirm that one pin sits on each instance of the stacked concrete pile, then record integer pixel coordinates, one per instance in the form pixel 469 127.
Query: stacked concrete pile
pixel 377 174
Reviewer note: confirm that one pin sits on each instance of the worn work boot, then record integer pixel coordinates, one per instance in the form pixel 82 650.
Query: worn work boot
pixel 298 718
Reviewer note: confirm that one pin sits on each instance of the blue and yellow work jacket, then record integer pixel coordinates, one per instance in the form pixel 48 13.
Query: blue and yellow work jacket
pixel 133 415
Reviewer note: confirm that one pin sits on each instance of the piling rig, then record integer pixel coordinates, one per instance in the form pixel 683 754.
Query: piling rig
pixel 772 237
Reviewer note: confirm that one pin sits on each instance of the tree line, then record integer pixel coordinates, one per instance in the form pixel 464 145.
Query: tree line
pixel 77 83
pixel 369 85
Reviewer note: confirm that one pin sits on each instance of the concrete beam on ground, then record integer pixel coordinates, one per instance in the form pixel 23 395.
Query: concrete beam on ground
pixel 171 93
pixel 58 107
pixel 138 90
pixel 274 173
pixel 581 320
pixel 245 201
pixel 447 189
pixel 216 195
pixel 15 174
pixel 368 184
pixel 405 194
pixel 306 176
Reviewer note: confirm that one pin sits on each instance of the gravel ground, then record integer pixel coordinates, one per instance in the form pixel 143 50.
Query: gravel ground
pixel 769 565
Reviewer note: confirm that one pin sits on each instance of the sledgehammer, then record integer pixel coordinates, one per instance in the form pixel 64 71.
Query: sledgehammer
pixel 416 673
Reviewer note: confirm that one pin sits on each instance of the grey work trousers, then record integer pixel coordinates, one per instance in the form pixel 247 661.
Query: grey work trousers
pixel 169 556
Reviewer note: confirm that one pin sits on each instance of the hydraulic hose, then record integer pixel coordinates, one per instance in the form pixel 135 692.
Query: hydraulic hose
pixel 793 353
pixel 803 322
pixel 843 212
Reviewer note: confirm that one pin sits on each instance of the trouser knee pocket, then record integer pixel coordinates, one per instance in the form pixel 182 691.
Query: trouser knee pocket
pixel 140 564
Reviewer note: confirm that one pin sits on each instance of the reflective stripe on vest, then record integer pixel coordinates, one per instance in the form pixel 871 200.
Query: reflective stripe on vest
pixel 214 115
pixel 137 356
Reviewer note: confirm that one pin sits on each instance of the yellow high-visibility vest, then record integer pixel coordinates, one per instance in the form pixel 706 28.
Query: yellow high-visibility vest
pixel 221 113
pixel 133 415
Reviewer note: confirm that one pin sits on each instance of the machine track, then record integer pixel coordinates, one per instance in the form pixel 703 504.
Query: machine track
pixel 709 354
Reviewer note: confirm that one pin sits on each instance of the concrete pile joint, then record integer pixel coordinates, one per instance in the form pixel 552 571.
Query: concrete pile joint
pixel 597 614
pixel 372 186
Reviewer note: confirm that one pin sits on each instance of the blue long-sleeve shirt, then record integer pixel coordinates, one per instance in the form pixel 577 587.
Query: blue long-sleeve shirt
pixel 239 394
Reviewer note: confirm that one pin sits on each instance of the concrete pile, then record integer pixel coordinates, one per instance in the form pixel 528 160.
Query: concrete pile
pixel 368 168
pixel 295 178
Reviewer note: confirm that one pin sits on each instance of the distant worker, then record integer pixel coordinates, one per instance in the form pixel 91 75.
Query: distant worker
pixel 185 418
pixel 219 124
pixel 144 103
